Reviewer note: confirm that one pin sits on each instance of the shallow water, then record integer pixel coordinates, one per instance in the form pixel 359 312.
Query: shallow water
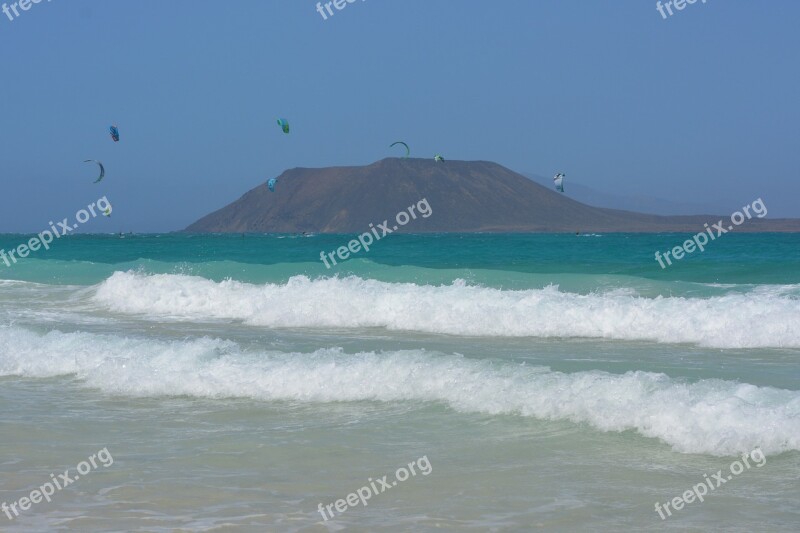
pixel 553 382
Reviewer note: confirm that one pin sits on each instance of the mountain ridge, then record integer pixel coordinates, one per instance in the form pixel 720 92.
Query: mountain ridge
pixel 464 196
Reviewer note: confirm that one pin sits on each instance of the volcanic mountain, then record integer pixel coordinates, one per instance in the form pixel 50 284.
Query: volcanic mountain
pixel 464 196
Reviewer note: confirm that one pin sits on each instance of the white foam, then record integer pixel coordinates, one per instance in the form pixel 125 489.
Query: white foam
pixel 710 416
pixel 763 317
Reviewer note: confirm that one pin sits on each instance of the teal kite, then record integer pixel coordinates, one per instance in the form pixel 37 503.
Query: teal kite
pixel 102 169
pixel 408 150
pixel 284 124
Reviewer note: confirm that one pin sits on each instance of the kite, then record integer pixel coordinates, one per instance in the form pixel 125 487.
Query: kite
pixel 558 180
pixel 408 150
pixel 102 169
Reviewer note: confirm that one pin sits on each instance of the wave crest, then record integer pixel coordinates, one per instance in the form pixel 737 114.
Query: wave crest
pixel 761 317
pixel 709 416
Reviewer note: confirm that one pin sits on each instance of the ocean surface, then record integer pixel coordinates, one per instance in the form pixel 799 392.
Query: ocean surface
pixel 549 382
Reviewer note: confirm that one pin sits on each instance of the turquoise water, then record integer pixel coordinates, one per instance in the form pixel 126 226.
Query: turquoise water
pixel 554 382
pixel 88 259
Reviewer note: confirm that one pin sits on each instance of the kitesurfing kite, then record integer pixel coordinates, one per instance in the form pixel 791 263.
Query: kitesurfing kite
pixel 438 157
pixel 558 179
pixel 408 150
pixel 102 169
pixel 284 124
pixel 114 133
pixel 107 212
pixel 271 184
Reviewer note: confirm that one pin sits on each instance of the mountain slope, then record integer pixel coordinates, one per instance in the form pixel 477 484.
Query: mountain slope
pixel 465 196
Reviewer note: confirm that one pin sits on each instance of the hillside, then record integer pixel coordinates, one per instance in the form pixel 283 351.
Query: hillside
pixel 465 196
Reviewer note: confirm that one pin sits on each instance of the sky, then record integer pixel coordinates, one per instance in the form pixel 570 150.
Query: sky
pixel 700 107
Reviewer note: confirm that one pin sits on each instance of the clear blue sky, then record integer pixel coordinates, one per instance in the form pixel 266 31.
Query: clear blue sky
pixel 700 107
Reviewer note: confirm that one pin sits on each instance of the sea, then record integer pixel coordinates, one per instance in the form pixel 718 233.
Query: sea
pixel 446 382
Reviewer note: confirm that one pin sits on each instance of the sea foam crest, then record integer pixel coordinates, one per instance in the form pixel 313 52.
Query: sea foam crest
pixel 759 318
pixel 709 416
